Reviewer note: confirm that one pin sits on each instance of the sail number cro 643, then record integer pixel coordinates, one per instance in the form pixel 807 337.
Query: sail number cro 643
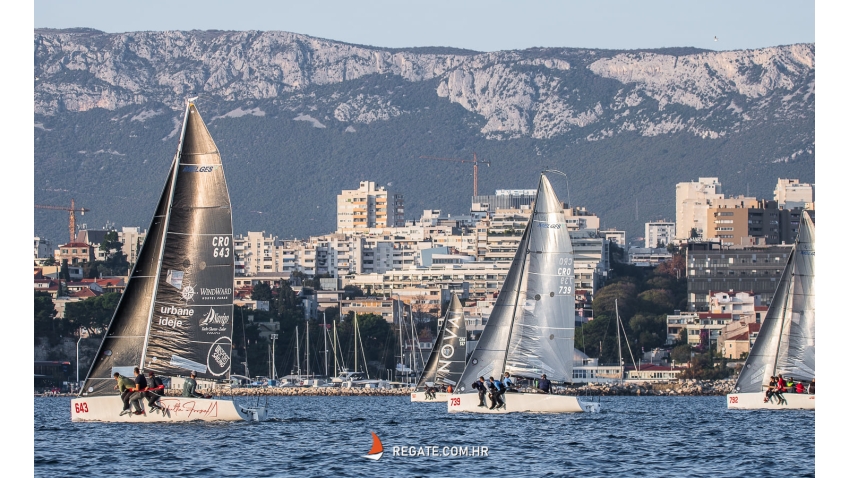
pixel 221 246
pixel 81 407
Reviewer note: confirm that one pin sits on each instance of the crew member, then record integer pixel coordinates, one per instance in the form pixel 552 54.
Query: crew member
pixel 544 384
pixel 496 389
pixel 481 386
pixel 156 389
pixel 141 384
pixel 190 387
pixel 125 388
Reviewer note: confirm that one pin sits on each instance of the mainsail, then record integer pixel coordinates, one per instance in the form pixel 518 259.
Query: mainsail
pixel 531 329
pixel 175 315
pixel 448 357
pixel 786 340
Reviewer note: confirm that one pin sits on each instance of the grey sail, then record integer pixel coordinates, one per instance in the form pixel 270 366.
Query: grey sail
pixel 123 342
pixel 192 321
pixel 448 357
pixel 175 313
pixel 531 329
pixel 786 340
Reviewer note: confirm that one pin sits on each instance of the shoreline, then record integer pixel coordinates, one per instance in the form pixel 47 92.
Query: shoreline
pixel 682 388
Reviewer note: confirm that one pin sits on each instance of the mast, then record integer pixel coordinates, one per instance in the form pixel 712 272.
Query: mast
pixel 619 346
pixel 325 336
pixel 782 322
pixel 307 357
pixel 355 342
pixel 297 353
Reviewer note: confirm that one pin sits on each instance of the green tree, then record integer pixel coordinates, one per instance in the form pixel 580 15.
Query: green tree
pixel 261 291
pixel 64 271
pixel 681 353
pixel 45 318
pixel 94 313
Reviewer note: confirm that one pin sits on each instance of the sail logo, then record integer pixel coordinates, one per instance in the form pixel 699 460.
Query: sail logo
pixel 220 356
pixel 193 168
pixel 377 450
pixel 546 225
pixel 213 318
pixel 216 291
pixel 169 322
pixel 187 293
pixel 171 310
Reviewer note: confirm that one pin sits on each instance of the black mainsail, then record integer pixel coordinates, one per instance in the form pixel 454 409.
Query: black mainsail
pixel 448 357
pixel 175 315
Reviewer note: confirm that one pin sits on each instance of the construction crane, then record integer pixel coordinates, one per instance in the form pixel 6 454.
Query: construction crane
pixel 475 161
pixel 72 222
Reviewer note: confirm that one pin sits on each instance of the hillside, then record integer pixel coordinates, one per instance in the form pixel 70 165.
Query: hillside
pixel 298 118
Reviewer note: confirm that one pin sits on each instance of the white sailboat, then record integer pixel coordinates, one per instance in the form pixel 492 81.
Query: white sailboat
pixel 531 329
pixel 448 357
pixel 175 315
pixel 786 340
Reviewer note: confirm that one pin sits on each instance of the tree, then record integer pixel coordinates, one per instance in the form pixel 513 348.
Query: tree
pixel 261 291
pixel 64 271
pixel 93 314
pixel 352 292
pixel 681 353
pixel 50 261
pixel 44 324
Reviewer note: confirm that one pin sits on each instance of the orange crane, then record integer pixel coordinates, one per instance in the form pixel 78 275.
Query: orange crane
pixel 475 161
pixel 72 222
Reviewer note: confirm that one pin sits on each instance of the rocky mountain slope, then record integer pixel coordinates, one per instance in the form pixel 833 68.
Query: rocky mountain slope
pixel 299 118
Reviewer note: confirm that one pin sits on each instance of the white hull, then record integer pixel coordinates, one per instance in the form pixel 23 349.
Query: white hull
pixel 178 409
pixel 522 402
pixel 420 397
pixel 755 401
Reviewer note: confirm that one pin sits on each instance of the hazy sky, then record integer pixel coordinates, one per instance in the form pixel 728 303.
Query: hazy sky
pixel 478 25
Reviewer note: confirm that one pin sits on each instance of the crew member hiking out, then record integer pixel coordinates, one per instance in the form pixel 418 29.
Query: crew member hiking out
pixel 496 390
pixel 156 389
pixel 125 387
pixel 141 384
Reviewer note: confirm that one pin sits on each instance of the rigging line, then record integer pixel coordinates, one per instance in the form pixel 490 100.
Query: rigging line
pixel 784 312
pixel 629 346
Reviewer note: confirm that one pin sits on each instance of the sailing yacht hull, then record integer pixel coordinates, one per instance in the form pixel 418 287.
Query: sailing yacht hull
pixel 420 397
pixel 523 403
pixel 178 409
pixel 755 401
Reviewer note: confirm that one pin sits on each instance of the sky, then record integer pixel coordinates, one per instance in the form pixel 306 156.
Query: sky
pixel 490 25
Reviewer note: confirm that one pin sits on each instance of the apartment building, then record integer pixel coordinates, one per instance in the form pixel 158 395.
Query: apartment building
pixel 791 193
pixel 131 239
pixel 41 248
pixel 659 233
pixel 368 206
pixel 714 268
pixel 703 328
pixel 692 202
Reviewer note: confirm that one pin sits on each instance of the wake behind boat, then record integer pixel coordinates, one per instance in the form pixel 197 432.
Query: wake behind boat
pixel 531 329
pixel 175 315
pixel 448 357
pixel 786 342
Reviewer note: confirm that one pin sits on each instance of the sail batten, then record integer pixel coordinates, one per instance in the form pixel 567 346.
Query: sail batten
pixel 786 341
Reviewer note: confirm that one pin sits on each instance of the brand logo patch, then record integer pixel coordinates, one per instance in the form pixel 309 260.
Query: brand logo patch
pixel 213 318
pixel 194 168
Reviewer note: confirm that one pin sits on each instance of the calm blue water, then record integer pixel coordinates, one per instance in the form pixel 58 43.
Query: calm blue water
pixel 325 436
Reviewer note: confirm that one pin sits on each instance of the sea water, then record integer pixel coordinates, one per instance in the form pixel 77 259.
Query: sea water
pixel 328 436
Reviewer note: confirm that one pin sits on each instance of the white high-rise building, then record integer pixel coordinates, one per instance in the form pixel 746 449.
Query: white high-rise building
pixel 791 193
pixel 692 202
pixel 659 233
pixel 368 206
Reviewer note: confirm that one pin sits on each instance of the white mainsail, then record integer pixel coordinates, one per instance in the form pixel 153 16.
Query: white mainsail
pixel 531 329
pixel 786 340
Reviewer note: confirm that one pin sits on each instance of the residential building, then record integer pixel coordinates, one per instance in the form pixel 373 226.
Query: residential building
pixel 791 193
pixel 386 308
pixel 712 268
pixel 737 339
pixel 703 328
pixel 503 199
pixel 648 257
pixel 744 306
pixel 659 233
pixel 368 206
pixel 692 202
pixel 75 253
pixel 41 249
pixel 131 239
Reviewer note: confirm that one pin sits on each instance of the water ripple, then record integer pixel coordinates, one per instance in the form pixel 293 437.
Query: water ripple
pixel 326 436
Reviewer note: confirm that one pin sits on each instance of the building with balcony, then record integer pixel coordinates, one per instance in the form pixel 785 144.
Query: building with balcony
pixel 692 202
pixel 368 206
pixel 659 234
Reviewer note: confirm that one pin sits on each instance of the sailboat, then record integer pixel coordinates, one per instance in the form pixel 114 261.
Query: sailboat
pixel 531 329
pixel 448 357
pixel 786 341
pixel 175 315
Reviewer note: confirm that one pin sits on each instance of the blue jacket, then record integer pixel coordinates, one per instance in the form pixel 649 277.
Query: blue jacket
pixel 497 385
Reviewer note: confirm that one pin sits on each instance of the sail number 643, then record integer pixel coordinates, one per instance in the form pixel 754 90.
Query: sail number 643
pixel 221 246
